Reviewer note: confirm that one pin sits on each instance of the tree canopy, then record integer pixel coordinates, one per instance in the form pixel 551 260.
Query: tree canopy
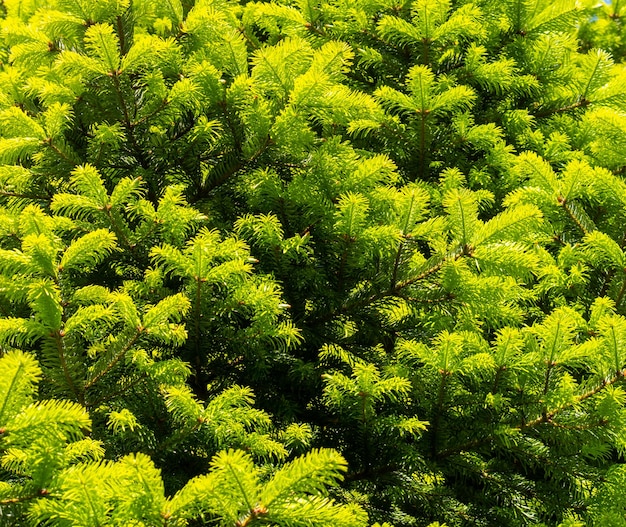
pixel 317 263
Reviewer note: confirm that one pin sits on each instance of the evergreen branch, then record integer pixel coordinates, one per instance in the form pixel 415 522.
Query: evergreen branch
pixel 139 155
pixel 452 256
pixel 115 359
pixel 117 229
pixel 581 103
pixel 428 301
pixel 22 499
pixel 121 34
pixel 546 385
pixel 59 152
pixel 571 212
pixel 113 395
pixel 580 428
pixel 24 196
pixel 496 379
pixel 238 165
pixel 314 28
pixel 422 164
pixel 10 391
pixel 87 495
pixel 396 266
pixel 181 434
pixel 197 316
pixel 225 176
pixel 253 44
pixel 346 308
pixel 60 345
pixel 596 67
pixel 306 475
pixel 244 494
pixel 623 241
pixel 465 447
pixel 370 474
pixel 434 430
pixel 547 417
pixel 620 294
pixel 223 105
pixel 164 103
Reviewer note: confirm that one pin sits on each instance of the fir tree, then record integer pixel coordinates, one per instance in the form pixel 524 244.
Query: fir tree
pixel 317 263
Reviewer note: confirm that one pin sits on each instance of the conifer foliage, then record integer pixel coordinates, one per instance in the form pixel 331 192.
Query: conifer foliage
pixel 318 263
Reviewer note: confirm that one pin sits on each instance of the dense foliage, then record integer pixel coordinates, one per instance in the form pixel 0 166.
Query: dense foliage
pixel 312 263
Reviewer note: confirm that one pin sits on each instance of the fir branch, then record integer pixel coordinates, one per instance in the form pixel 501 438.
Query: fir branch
pixel 546 385
pixel 571 212
pixel 108 397
pixel 580 103
pixel 34 197
pixel 468 446
pixel 436 418
pixel 496 379
pixel 197 316
pixel 547 417
pixel 364 302
pixel 579 428
pixel 128 124
pixel 238 165
pixel 61 351
pixel 12 388
pixel 371 474
pixel 121 34
pixel 151 115
pixel 396 266
pixel 50 144
pixel 118 230
pixel 451 256
pixel 22 499
pixel 620 294
pixel 240 486
pixel 422 147
pixel 91 382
